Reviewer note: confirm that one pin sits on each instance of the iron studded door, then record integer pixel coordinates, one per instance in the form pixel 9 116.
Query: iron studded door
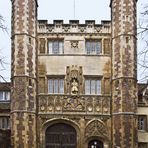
pixel 61 135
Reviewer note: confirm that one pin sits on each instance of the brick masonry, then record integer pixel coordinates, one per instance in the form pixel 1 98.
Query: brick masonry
pixel 124 76
pixel 23 96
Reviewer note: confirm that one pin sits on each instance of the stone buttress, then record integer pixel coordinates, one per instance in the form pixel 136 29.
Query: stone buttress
pixel 23 95
pixel 124 89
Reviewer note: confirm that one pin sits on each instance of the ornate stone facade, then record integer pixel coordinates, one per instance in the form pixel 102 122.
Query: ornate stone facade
pixel 78 76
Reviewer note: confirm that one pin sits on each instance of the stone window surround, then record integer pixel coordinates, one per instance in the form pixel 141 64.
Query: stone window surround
pixel 4 95
pixel 142 122
pixel 91 78
pixel 4 122
pixel 53 80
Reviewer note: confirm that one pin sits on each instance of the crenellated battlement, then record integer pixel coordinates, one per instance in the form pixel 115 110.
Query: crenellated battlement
pixel 74 26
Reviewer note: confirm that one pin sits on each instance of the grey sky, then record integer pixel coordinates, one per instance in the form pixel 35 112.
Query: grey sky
pixel 56 9
pixel 84 9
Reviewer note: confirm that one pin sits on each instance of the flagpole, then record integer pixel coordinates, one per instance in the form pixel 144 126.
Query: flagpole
pixel 74 9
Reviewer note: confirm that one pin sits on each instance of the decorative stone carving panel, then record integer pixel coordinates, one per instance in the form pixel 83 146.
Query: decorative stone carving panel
pixel 96 128
pixel 67 103
pixel 73 104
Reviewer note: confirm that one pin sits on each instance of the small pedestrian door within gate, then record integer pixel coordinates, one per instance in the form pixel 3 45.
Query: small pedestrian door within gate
pixel 61 135
pixel 95 144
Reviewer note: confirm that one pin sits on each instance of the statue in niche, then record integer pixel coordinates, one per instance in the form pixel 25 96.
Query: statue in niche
pixel 74 80
pixel 74 87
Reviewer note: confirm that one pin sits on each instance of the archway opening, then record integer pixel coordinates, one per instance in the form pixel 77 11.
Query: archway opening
pixel 61 135
pixel 95 144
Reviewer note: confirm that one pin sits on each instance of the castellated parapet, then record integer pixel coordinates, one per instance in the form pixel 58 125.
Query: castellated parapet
pixel 58 26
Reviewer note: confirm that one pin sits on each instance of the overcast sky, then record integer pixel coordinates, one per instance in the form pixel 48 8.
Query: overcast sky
pixel 52 10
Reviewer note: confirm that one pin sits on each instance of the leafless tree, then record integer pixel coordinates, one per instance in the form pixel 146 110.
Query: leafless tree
pixel 143 35
pixel 2 58
pixel 2 26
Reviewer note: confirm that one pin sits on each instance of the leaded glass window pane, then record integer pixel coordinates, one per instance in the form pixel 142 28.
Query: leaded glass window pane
pixel 4 95
pixel 61 47
pixel 1 95
pixel 98 87
pixel 142 123
pixel 50 85
pixel 93 47
pixel 92 87
pixel 7 95
pixel 50 47
pixel 98 48
pixel 56 86
pixel 4 122
pixel 55 47
pixel 87 87
pixel 61 86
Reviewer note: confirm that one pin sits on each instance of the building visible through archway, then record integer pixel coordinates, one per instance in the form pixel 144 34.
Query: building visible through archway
pixel 95 144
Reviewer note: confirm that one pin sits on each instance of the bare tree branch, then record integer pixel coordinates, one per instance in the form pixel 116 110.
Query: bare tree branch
pixel 2 26
pixel 2 59
pixel 143 34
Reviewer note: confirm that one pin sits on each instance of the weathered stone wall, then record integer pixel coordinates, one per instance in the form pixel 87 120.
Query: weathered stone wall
pixel 98 66
pixel 88 114
pixel 124 89
pixel 23 96
pixel 87 128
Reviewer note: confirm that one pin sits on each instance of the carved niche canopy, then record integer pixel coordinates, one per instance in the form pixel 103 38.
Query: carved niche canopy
pixel 74 80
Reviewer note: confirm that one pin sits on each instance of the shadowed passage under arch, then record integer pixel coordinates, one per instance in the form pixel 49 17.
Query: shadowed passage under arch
pixel 95 144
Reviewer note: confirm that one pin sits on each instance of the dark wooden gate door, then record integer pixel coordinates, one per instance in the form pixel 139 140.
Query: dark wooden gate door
pixel 95 144
pixel 61 135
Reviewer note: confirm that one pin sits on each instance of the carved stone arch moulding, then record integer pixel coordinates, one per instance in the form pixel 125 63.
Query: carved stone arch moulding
pixel 50 122
pixel 53 121
pixel 96 128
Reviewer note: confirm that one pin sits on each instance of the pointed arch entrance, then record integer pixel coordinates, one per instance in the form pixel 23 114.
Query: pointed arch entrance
pixel 61 135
